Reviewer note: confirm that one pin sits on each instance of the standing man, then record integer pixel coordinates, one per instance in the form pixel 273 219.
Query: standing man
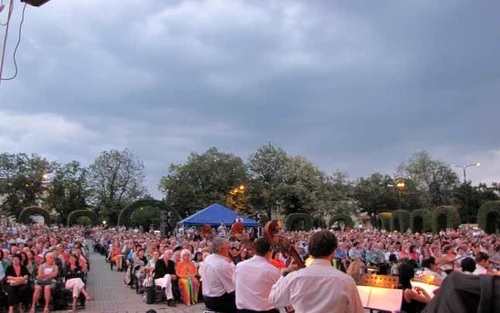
pixel 319 287
pixel 254 279
pixel 218 286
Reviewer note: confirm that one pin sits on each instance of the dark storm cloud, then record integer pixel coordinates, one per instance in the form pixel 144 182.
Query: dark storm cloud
pixel 355 85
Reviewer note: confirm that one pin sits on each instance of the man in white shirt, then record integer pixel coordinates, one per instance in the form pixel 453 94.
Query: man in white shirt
pixel 318 288
pixel 482 263
pixel 254 279
pixel 218 286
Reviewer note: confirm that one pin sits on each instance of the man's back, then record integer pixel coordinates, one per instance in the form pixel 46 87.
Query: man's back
pixel 254 279
pixel 318 288
pixel 217 276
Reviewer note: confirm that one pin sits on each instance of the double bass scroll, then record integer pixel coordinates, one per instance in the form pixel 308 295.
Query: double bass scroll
pixel 284 245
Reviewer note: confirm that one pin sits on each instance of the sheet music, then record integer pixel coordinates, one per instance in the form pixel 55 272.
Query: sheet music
pixel 427 287
pixel 364 294
pixel 381 298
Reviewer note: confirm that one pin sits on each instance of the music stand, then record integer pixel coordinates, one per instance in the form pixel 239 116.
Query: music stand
pixel 378 292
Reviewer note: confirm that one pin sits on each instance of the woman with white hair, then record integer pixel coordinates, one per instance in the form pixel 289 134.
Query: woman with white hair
pixel 188 284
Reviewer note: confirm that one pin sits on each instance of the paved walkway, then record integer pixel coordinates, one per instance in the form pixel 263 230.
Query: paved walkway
pixel 111 295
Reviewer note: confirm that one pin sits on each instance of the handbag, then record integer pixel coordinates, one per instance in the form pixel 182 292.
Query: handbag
pixel 44 282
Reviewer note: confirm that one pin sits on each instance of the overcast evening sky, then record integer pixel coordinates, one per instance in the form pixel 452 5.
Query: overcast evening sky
pixel 357 86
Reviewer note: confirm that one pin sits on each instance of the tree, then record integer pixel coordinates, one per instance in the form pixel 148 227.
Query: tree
pixel 469 199
pixel 114 179
pixel 434 179
pixel 68 190
pixel 286 184
pixel 22 180
pixel 203 180
pixel 376 193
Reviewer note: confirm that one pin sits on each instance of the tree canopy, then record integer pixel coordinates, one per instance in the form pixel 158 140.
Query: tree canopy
pixel 270 184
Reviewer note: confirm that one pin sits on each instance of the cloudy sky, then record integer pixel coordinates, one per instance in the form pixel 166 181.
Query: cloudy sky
pixel 352 85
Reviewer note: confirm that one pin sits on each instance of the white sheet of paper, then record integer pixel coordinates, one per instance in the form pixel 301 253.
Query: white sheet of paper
pixel 428 288
pixel 385 299
pixel 364 294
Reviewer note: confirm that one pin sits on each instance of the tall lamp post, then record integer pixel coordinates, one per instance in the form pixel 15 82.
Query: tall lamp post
pixel 465 167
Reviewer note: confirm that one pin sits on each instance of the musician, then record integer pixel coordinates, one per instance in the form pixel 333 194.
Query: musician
pixel 254 279
pixel 430 268
pixel 218 286
pixel 482 264
pixel 319 287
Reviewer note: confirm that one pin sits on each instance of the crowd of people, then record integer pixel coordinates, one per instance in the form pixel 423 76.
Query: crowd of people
pixel 232 276
pixel 42 262
pixel 208 267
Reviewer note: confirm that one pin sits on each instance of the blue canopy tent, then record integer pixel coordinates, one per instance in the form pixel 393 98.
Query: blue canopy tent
pixel 214 214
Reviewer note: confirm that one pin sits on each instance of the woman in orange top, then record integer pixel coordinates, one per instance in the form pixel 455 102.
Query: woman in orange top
pixel 116 256
pixel 188 284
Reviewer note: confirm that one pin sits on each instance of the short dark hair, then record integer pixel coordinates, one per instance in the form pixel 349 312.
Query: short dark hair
pixel 322 243
pixel 428 262
pixel 468 265
pixel 262 246
pixel 481 256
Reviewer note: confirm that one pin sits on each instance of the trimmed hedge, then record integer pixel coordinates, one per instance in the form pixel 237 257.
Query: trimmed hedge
pixel 426 217
pixel 450 213
pixel 75 215
pixel 124 217
pixel 24 215
pixel 402 217
pixel 291 220
pixel 384 220
pixel 488 217
pixel 341 217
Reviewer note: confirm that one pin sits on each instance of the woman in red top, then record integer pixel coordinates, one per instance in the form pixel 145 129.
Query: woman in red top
pixel 276 260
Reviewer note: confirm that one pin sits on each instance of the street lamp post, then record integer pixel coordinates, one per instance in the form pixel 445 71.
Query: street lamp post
pixel 465 167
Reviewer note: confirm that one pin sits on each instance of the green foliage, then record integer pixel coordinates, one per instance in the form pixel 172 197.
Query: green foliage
pixel 299 221
pixel 400 220
pixel 469 199
pixel 24 216
pixel 435 180
pixel 421 220
pixel 84 221
pixel 115 179
pixel 124 219
pixel 376 193
pixel 204 179
pixel 384 220
pixel 74 217
pixel 292 184
pixel 488 217
pixel 68 190
pixel 22 180
pixel 146 216
pixel 445 217
pixel 346 219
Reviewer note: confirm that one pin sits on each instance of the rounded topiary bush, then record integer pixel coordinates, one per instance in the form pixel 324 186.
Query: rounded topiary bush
pixel 24 215
pixel 384 220
pixel 299 221
pixel 421 221
pixel 126 213
pixel 400 220
pixel 346 219
pixel 443 217
pixel 73 217
pixel 488 217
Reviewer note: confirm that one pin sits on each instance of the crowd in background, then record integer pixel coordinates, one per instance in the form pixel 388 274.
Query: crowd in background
pixel 175 264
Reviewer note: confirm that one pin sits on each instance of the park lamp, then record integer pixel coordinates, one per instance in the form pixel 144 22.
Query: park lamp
pixel 401 185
